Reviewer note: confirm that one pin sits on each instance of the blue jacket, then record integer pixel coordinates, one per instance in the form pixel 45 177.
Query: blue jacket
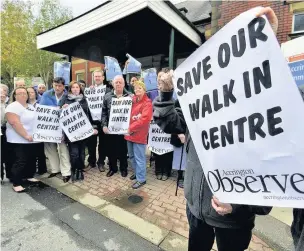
pixel 48 98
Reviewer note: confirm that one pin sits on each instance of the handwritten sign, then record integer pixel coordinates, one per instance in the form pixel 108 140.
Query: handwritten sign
pixel 95 99
pixel 159 142
pixel 120 112
pixel 75 123
pixel 242 110
pixel 112 68
pixel 46 125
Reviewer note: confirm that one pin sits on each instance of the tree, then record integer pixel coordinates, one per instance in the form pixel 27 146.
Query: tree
pixel 19 28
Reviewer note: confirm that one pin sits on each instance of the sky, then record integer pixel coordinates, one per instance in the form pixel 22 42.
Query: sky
pixel 80 6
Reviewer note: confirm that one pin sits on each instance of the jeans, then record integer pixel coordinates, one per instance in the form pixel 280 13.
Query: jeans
pixel 77 154
pixel 137 156
pixel 201 236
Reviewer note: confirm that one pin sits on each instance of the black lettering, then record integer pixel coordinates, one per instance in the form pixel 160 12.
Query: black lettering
pixel 196 72
pixel 222 182
pixel 214 138
pixel 206 144
pixel 238 184
pixel 259 77
pixel 256 33
pixel 240 124
pixel 272 121
pixel 206 68
pixel 218 183
pixel 216 104
pixel 238 52
pixel 194 110
pixel 206 105
pixel 223 62
pixel 188 81
pixel 249 182
pixel 256 128
pixel 247 84
pixel 228 95
pixel 283 188
pixel 227 134
pixel 292 182
pixel 263 182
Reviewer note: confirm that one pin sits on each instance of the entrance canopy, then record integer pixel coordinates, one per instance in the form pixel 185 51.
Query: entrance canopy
pixel 141 28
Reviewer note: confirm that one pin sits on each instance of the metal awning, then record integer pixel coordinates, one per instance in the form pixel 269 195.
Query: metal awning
pixel 141 28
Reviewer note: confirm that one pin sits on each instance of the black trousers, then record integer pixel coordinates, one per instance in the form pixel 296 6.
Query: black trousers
pixel 117 150
pixel 92 145
pixel 23 161
pixel 40 157
pixel 297 229
pixel 201 236
pixel 77 154
pixel 163 163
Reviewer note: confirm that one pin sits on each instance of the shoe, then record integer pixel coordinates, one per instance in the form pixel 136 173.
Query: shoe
pixel 181 184
pixel 66 178
pixel 88 167
pixel 101 168
pixel 138 184
pixel 53 175
pixel 133 177
pixel 81 176
pixel 124 174
pixel 165 177
pixel 159 176
pixel 110 173
pixel 23 190
pixel 32 181
pixel 74 175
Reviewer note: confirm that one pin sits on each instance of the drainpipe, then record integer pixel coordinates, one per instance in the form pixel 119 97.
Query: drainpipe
pixel 86 70
pixel 171 49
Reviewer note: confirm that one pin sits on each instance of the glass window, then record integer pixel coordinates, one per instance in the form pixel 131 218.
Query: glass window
pixel 298 22
pixel 79 76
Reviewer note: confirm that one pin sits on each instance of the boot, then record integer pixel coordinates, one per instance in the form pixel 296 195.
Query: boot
pixel 74 175
pixel 81 176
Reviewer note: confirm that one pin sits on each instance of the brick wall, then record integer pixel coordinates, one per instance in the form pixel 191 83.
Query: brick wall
pixel 225 11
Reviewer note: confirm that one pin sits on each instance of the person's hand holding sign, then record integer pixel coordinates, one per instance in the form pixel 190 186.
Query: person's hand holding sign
pixel 65 106
pixel 95 132
pixel 271 16
pixel 221 208
pixel 182 138
pixel 105 130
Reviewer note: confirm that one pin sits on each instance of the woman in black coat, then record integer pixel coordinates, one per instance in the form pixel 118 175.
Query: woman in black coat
pixel 77 148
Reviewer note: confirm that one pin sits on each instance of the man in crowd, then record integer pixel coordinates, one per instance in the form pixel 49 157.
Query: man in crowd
pixel 98 76
pixel 116 144
pixel 58 154
pixel 4 89
pixel 20 83
pixel 41 89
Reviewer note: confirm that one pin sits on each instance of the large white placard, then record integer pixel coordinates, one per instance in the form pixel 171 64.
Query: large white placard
pixel 46 126
pixel 95 97
pixel 244 114
pixel 75 123
pixel 159 141
pixel 120 112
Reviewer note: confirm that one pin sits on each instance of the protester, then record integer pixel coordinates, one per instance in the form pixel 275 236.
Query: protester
pixel 98 76
pixel 3 136
pixel 231 224
pixel 5 92
pixel 116 145
pixel 141 115
pixel 82 84
pixel 41 89
pixel 57 154
pixel 163 165
pixel 130 86
pixel 39 152
pixel 20 122
pixel 77 149
pixel 20 83
pixel 297 229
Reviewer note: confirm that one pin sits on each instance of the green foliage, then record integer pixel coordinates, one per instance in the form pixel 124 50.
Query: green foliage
pixel 21 21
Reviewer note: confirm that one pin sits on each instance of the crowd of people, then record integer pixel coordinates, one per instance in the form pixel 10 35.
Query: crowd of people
pixel 230 224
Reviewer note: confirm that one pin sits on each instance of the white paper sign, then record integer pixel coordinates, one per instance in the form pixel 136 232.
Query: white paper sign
pixel 75 123
pixel 46 126
pixel 95 99
pixel 120 112
pixel 159 142
pixel 244 113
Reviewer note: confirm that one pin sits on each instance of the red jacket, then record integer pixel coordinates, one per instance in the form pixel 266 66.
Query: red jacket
pixel 139 128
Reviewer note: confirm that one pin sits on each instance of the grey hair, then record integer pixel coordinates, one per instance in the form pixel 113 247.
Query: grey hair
pixel 42 84
pixel 3 86
pixel 118 77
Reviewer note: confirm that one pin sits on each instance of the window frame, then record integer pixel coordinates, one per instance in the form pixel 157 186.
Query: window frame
pixel 293 22
pixel 80 73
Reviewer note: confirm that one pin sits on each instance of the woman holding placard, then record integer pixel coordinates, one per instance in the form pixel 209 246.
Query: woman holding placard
pixel 77 148
pixel 39 152
pixel 20 123
pixel 141 115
